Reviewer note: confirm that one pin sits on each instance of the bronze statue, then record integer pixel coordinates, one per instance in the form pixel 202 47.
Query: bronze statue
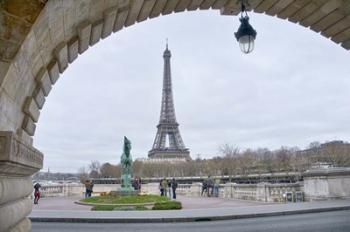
pixel 126 162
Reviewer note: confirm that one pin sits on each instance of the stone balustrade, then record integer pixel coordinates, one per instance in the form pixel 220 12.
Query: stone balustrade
pixel 256 192
pixel 327 183
pixel 52 190
pixel 318 185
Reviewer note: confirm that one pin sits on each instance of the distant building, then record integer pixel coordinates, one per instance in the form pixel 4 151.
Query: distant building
pixel 324 146
pixel 321 165
pixel 327 154
pixel 162 160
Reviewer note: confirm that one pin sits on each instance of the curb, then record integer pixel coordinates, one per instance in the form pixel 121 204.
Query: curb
pixel 105 204
pixel 186 219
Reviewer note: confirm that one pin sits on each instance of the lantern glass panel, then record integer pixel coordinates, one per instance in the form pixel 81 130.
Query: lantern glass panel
pixel 246 43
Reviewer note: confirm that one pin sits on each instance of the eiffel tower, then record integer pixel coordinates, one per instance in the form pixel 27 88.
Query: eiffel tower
pixel 168 143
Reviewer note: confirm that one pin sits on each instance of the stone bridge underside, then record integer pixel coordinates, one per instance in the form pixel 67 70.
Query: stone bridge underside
pixel 40 38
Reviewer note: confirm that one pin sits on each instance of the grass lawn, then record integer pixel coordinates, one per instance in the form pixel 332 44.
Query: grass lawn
pixel 126 199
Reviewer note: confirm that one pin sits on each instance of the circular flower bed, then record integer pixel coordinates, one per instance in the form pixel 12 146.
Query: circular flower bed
pixel 139 202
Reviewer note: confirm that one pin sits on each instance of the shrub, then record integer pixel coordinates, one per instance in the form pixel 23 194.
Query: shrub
pixel 167 205
pixel 141 208
pixel 103 208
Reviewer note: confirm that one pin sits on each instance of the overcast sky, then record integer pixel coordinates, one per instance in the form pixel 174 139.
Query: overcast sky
pixel 292 90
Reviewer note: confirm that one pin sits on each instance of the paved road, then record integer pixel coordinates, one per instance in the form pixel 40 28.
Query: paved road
pixel 337 221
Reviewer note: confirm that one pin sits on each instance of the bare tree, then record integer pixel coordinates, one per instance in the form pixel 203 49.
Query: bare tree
pixel 109 170
pixel 283 159
pixel 230 162
pixel 94 168
pixel 83 174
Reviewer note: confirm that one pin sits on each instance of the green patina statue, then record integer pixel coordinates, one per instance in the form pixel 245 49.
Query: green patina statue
pixel 126 162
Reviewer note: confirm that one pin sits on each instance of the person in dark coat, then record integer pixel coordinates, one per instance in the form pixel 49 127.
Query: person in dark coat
pixel 88 187
pixel 37 187
pixel 174 187
pixel 169 189
pixel 161 187
pixel 210 186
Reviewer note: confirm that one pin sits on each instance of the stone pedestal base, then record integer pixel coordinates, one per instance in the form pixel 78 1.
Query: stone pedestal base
pixel 18 161
pixel 125 192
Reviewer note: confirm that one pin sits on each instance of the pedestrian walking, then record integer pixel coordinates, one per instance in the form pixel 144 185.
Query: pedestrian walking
pixel 174 187
pixel 37 187
pixel 169 189
pixel 161 187
pixel 136 183
pixel 204 187
pixel 164 184
pixel 91 188
pixel 210 186
pixel 216 187
pixel 88 188
pixel 140 183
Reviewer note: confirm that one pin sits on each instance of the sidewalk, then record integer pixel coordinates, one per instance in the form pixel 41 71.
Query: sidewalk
pixel 67 203
pixel 187 215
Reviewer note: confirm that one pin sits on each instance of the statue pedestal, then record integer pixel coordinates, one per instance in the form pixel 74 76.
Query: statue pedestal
pixel 125 192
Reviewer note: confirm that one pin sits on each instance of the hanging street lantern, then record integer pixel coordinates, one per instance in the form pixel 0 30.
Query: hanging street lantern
pixel 246 33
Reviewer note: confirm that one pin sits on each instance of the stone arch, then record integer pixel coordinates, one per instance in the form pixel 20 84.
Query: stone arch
pixel 61 30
